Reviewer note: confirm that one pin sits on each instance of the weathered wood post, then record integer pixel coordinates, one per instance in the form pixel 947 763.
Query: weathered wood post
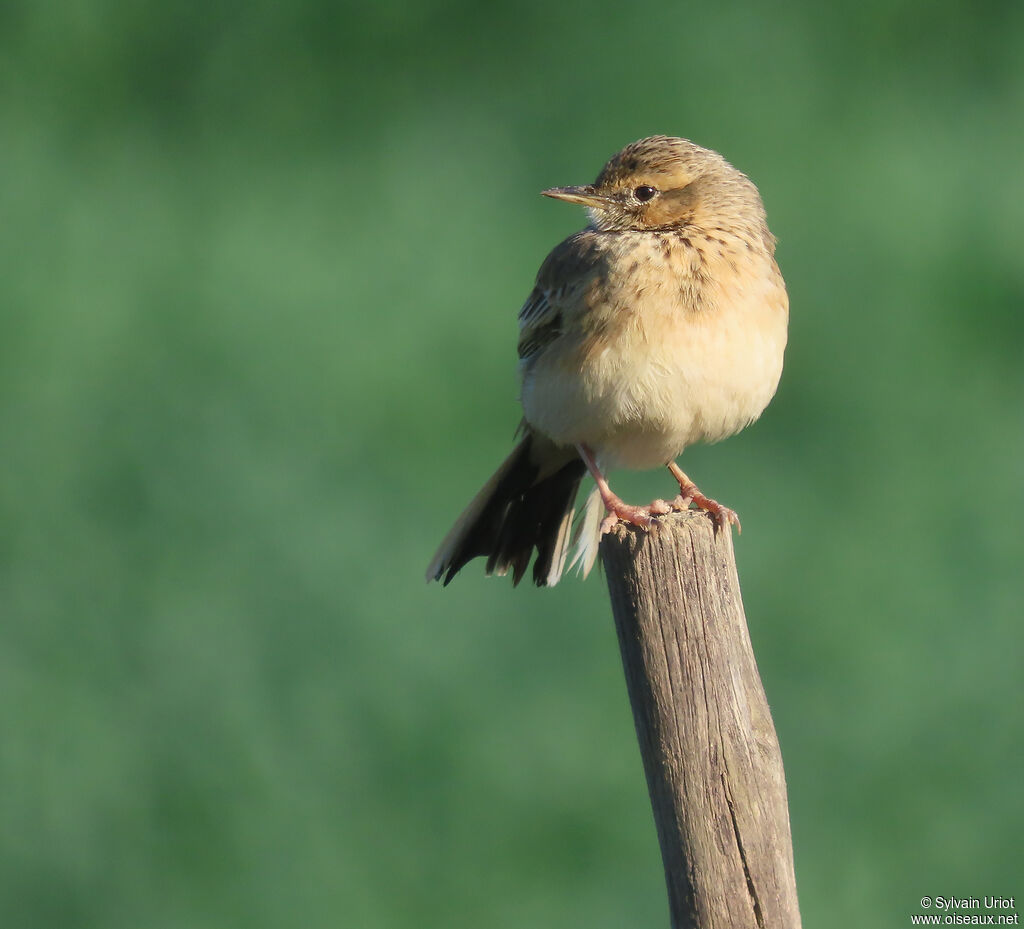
pixel 714 769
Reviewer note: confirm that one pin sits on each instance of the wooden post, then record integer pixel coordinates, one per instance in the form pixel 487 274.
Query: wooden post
pixel 714 769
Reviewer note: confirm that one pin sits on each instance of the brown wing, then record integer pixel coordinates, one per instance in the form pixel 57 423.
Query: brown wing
pixel 556 297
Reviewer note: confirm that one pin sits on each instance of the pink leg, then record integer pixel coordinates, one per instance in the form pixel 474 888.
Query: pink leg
pixel 637 515
pixel 688 493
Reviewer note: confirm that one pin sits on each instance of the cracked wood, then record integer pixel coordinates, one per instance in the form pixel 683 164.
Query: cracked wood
pixel 710 752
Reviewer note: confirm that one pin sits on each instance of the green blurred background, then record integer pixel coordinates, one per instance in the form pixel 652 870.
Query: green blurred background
pixel 260 271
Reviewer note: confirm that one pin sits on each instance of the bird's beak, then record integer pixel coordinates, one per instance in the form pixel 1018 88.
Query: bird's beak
pixel 586 196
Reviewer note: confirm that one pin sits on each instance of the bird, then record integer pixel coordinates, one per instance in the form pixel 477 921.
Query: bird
pixel 663 323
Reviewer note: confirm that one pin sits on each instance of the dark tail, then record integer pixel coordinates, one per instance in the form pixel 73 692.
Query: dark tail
pixel 527 504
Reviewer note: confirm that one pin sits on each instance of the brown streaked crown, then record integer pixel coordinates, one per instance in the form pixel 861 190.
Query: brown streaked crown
pixel 659 157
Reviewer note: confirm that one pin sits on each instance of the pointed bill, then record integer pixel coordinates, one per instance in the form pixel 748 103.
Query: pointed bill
pixel 586 196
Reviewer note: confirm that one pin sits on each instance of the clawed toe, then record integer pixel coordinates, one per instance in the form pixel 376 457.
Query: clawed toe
pixel 642 516
pixel 723 517
pixel 636 515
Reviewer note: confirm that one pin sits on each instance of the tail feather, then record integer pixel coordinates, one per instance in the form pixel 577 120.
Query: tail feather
pixel 524 506
pixel 587 539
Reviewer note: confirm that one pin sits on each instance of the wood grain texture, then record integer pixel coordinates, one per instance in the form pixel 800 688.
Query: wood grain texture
pixel 710 752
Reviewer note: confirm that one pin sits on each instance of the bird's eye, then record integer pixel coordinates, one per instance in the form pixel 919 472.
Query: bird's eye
pixel 645 193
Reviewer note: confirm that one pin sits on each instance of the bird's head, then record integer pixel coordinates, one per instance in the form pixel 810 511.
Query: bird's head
pixel 665 183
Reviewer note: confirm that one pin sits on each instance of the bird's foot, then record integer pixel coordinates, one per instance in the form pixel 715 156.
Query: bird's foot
pixel 642 516
pixel 722 515
pixel 688 493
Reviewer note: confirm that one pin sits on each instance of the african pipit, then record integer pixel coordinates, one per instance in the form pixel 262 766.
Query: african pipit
pixel 661 324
